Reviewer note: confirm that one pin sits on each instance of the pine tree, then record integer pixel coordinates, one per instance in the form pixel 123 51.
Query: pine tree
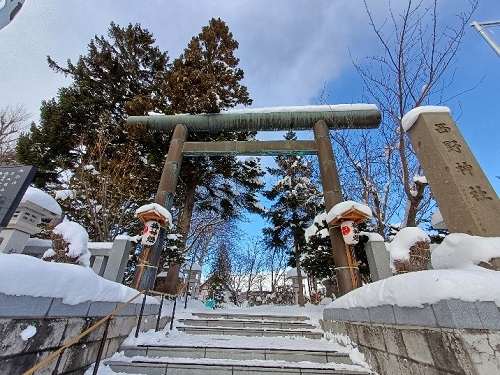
pixel 317 257
pixel 295 203
pixel 205 79
pixel 113 76
pixel 82 132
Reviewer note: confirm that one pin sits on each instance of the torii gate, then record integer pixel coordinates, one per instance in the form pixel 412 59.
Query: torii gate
pixel 318 118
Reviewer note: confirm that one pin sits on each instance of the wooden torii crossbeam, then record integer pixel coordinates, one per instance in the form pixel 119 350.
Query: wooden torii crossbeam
pixel 317 118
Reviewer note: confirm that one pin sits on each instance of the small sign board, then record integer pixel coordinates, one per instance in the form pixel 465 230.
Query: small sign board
pixel 14 182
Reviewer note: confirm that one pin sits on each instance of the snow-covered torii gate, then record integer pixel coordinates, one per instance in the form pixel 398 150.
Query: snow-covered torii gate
pixel 318 118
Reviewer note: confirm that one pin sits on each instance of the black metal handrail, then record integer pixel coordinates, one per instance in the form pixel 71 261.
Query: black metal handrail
pixel 107 319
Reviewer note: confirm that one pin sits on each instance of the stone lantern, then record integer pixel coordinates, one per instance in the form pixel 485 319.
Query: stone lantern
pixel 153 216
pixel 292 275
pixel 35 206
pixel 193 273
pixel 348 215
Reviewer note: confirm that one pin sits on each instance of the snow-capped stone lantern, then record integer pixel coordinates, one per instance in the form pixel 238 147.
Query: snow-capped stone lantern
pixel 292 275
pixel 348 215
pixel 154 216
pixel 35 206
pixel 193 274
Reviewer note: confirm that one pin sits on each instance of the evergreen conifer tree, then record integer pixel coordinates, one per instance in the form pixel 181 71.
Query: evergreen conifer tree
pixel 82 132
pixel 296 200
pixel 206 79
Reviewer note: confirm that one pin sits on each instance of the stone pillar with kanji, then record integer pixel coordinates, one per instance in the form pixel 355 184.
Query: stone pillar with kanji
pixel 464 195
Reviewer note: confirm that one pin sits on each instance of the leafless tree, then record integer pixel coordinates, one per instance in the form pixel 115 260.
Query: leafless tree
pixel 106 188
pixel 11 121
pixel 415 67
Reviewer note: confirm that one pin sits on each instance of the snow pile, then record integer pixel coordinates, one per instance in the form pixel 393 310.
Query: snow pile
pixel 403 241
pixel 28 332
pixel 460 250
pixel 414 289
pixel 77 239
pixel 42 199
pixel 23 275
pixel 411 117
pixel 342 207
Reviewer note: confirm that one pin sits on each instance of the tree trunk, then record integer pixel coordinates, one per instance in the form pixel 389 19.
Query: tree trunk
pixel 172 280
pixel 299 276
pixel 414 202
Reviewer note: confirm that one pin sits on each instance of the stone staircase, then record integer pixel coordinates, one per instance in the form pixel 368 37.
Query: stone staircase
pixel 237 344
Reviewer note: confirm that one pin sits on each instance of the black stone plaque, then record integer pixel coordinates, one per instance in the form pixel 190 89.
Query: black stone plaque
pixel 14 182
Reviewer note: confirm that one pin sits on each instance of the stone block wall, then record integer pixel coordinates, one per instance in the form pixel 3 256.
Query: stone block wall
pixel 56 324
pixel 450 337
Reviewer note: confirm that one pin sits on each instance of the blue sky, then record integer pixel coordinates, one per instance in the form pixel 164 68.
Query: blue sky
pixel 292 52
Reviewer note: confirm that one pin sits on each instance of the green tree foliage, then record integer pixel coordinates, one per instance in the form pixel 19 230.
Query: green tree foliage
pixel 82 142
pixel 205 79
pixel 112 77
pixel 317 257
pixel 295 201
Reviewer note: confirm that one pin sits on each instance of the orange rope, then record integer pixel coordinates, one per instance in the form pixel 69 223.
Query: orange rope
pixel 351 267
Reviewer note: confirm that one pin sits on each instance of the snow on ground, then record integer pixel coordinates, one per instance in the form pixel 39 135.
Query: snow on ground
pixel 415 289
pixel 180 339
pixel 23 275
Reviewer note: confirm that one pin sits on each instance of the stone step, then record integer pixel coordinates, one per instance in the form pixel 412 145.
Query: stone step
pixel 298 318
pixel 179 366
pixel 254 332
pixel 236 353
pixel 238 323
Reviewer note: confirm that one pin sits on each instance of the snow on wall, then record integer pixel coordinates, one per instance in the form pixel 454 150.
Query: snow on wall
pixel 411 117
pixel 29 276
pixel 414 289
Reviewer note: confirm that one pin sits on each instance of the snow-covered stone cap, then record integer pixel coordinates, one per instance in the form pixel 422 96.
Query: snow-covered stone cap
pixel 42 200
pixel 411 117
pixel 293 273
pixel 193 267
pixel 343 210
pixel 154 211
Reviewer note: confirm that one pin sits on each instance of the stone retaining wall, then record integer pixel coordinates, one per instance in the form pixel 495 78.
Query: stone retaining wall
pixel 450 337
pixel 56 323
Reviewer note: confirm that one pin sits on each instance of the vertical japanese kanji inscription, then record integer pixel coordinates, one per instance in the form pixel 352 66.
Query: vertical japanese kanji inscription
pixel 13 184
pixel 464 195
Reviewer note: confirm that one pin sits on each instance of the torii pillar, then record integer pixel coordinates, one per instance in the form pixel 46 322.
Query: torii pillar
pixel 318 118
